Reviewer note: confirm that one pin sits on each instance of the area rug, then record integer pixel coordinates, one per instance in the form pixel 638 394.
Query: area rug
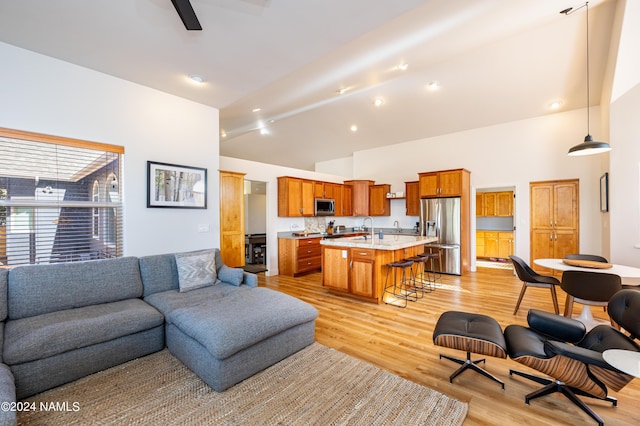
pixel 316 386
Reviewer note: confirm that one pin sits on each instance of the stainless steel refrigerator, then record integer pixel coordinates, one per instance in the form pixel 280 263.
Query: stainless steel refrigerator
pixel 440 217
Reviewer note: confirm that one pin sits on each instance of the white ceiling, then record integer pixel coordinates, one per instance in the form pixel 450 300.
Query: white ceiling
pixel 496 61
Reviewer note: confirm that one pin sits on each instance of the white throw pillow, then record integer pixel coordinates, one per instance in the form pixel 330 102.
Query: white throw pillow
pixel 196 269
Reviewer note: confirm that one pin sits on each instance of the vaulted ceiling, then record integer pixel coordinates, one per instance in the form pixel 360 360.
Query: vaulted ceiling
pixel 275 68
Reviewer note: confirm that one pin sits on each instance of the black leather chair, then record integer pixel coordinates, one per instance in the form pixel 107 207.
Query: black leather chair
pixel 561 348
pixel 530 278
pixel 588 288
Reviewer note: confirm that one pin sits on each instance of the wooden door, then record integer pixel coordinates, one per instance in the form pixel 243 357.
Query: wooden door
pixel 378 201
pixel 362 272
pixel 479 203
pixel 289 196
pixel 360 198
pixel 505 244
pixel 232 218
pixel 412 194
pixel 429 184
pixel 308 200
pixel 335 268
pixel 555 220
pixel 347 200
pixel 489 200
pixel 491 248
pixel 450 183
pixel 504 203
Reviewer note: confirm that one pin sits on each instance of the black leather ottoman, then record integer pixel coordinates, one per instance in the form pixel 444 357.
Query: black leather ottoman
pixel 472 333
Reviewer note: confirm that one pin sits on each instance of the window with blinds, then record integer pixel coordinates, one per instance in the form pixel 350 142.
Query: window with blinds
pixel 60 199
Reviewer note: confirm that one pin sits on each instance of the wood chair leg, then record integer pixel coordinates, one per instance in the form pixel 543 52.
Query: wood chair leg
pixel 524 288
pixel 568 306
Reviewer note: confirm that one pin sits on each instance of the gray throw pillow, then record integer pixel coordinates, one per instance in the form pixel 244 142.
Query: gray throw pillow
pixel 196 269
pixel 231 275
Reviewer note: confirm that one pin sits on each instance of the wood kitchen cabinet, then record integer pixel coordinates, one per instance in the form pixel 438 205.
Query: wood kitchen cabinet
pixel 505 244
pixel 494 244
pixel 379 204
pixel 412 193
pixel 555 220
pixel 358 272
pixel 447 183
pixel 360 196
pixel 295 197
pixel 347 200
pixel 480 251
pixel 298 256
pixel 494 203
pixel 504 203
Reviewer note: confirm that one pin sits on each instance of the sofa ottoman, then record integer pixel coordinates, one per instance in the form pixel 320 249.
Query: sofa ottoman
pixel 227 340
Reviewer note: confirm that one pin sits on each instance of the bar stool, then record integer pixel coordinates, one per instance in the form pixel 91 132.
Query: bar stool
pixel 421 275
pixel 403 290
pixel 437 275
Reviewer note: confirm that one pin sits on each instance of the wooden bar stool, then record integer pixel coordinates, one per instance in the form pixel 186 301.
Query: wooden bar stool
pixel 399 292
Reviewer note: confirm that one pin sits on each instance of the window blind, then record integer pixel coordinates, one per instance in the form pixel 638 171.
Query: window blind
pixel 60 199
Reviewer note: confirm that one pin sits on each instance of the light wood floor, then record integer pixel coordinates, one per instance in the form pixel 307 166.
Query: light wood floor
pixel 400 341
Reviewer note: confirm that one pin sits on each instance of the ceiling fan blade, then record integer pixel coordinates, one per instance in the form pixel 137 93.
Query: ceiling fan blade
pixel 188 16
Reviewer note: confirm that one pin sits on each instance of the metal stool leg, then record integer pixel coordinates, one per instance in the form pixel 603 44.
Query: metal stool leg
pixel 402 291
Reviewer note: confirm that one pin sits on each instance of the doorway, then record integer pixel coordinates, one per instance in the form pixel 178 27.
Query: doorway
pixel 495 227
pixel 255 210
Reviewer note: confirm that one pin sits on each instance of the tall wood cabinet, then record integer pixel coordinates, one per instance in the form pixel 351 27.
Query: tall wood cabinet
pixel 232 218
pixel 555 220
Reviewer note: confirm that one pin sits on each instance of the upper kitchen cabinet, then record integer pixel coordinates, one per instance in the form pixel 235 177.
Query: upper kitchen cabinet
pixel 447 183
pixel 378 202
pixel 412 193
pixel 295 197
pixel 347 200
pixel 360 196
pixel 494 203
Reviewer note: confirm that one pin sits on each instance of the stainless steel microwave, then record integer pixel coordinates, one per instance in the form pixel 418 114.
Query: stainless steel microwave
pixel 324 207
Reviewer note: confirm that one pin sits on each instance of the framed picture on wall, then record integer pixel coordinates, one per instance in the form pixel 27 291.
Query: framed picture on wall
pixel 604 192
pixel 175 186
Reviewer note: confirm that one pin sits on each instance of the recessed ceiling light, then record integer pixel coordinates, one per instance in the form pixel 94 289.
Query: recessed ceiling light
pixel 354 128
pixel 403 66
pixel 264 131
pixel 223 134
pixel 197 78
pixel 555 105
pixel 256 110
pixel 434 85
pixel 378 102
pixel 341 91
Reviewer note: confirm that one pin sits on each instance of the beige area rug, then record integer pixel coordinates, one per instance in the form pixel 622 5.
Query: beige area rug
pixel 316 386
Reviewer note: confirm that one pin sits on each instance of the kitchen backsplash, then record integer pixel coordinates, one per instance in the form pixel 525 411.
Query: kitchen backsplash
pixel 494 223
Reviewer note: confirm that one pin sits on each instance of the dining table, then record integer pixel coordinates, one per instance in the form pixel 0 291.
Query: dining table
pixel 629 275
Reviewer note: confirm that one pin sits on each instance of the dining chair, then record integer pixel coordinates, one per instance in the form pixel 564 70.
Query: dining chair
pixel 589 289
pixel 530 278
pixel 571 356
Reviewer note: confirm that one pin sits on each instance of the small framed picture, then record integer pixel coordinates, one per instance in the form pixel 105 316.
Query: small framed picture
pixel 604 192
pixel 175 186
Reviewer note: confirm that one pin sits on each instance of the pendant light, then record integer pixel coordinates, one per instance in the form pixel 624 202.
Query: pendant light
pixel 589 146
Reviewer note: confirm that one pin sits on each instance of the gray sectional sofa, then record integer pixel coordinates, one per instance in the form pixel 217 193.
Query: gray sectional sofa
pixel 60 322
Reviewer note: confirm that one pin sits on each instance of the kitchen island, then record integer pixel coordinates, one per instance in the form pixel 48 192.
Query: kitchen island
pixel 356 266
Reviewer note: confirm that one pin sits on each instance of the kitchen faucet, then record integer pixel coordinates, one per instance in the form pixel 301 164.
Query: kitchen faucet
pixel 396 224
pixel 363 222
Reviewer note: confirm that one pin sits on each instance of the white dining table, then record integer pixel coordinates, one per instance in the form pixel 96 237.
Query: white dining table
pixel 629 275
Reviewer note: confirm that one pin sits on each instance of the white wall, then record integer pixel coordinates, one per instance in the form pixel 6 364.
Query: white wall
pixel 45 95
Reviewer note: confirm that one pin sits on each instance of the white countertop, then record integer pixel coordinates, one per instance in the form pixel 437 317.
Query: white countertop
pixel 388 242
